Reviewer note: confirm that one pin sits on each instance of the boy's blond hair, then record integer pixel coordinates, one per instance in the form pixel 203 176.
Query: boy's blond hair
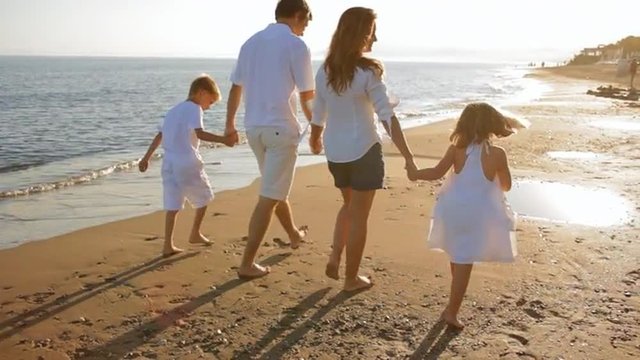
pixel 206 83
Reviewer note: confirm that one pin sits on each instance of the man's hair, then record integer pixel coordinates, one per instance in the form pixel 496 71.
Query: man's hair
pixel 289 8
pixel 206 83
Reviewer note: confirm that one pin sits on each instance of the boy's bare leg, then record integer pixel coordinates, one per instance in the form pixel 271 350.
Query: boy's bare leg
pixel 169 223
pixel 359 208
pixel 340 235
pixel 258 225
pixel 284 215
pixel 196 236
pixel 460 274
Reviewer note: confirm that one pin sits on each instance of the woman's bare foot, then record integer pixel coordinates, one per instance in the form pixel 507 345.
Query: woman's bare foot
pixel 451 320
pixel 172 250
pixel 359 283
pixel 332 270
pixel 199 239
pixel 254 272
pixel 298 236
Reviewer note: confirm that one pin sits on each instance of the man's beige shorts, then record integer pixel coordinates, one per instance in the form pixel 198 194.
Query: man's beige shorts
pixel 276 149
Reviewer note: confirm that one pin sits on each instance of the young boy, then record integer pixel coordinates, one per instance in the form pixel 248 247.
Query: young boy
pixel 183 174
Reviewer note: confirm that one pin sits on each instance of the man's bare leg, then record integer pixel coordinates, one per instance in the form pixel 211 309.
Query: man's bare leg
pixel 258 225
pixel 340 235
pixel 196 236
pixel 169 223
pixel 285 216
pixel 359 208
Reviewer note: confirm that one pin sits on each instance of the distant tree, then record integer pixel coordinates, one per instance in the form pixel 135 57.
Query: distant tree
pixel 630 44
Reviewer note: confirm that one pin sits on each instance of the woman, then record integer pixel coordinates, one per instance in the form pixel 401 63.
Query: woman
pixel 349 89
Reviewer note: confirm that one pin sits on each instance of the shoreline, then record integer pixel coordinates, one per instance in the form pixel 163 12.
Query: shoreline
pixel 104 290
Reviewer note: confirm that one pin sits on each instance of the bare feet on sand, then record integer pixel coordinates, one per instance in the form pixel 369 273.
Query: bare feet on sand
pixel 332 270
pixel 451 320
pixel 254 272
pixel 359 283
pixel 169 251
pixel 200 239
pixel 298 236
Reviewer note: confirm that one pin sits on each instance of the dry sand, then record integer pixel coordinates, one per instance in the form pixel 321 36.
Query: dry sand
pixel 573 293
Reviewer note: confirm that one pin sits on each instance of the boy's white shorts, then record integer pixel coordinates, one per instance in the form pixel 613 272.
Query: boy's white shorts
pixel 185 179
pixel 276 149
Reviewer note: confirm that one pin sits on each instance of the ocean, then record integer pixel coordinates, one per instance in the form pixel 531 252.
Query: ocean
pixel 73 128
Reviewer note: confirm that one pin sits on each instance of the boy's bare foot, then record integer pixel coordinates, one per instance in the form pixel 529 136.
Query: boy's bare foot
pixel 254 272
pixel 359 283
pixel 199 239
pixel 332 270
pixel 451 320
pixel 298 236
pixel 166 252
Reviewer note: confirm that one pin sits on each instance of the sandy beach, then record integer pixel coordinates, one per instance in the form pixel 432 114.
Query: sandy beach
pixel 573 292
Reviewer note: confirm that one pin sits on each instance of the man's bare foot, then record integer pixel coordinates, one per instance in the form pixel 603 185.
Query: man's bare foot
pixel 200 239
pixel 332 270
pixel 298 236
pixel 254 272
pixel 451 320
pixel 170 251
pixel 359 283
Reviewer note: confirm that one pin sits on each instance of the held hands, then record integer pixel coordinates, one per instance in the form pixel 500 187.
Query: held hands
pixel 231 137
pixel 315 145
pixel 412 169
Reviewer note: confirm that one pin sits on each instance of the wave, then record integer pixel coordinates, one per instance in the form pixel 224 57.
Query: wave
pixel 73 180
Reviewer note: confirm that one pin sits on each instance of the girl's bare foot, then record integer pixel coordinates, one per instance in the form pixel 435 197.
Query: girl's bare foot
pixel 169 251
pixel 331 270
pixel 254 272
pixel 451 320
pixel 359 283
pixel 199 239
pixel 298 236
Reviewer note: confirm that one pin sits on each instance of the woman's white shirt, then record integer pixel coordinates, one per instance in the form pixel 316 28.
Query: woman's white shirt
pixel 348 118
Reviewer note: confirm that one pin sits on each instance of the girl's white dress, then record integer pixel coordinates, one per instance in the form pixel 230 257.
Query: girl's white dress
pixel 472 221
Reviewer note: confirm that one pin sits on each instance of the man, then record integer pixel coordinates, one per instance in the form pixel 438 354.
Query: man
pixel 633 68
pixel 271 65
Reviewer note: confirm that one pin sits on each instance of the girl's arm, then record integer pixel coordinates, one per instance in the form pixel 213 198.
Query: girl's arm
pixel 143 164
pixel 502 168
pixel 439 170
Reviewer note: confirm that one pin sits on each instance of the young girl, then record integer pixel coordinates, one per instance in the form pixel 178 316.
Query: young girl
pixel 472 221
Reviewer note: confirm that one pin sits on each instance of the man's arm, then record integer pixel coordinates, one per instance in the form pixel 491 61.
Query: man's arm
pixel 306 102
pixel 233 103
pixel 143 164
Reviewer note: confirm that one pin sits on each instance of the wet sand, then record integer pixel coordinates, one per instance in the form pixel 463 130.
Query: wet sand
pixel 573 292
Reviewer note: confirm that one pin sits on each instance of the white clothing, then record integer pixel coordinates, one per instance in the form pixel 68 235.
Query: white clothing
pixel 349 117
pixel 271 65
pixel 177 128
pixel 184 178
pixel 276 149
pixel 472 221
pixel 183 175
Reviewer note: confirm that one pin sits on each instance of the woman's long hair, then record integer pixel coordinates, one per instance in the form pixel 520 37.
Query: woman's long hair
pixel 345 52
pixel 478 122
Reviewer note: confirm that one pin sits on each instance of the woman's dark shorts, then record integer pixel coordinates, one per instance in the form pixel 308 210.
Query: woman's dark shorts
pixel 364 174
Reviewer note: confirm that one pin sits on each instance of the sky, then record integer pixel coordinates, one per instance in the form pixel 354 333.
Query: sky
pixel 446 30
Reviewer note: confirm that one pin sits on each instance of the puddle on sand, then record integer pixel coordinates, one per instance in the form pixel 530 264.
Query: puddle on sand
pixel 576 155
pixel 568 203
pixel 624 125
